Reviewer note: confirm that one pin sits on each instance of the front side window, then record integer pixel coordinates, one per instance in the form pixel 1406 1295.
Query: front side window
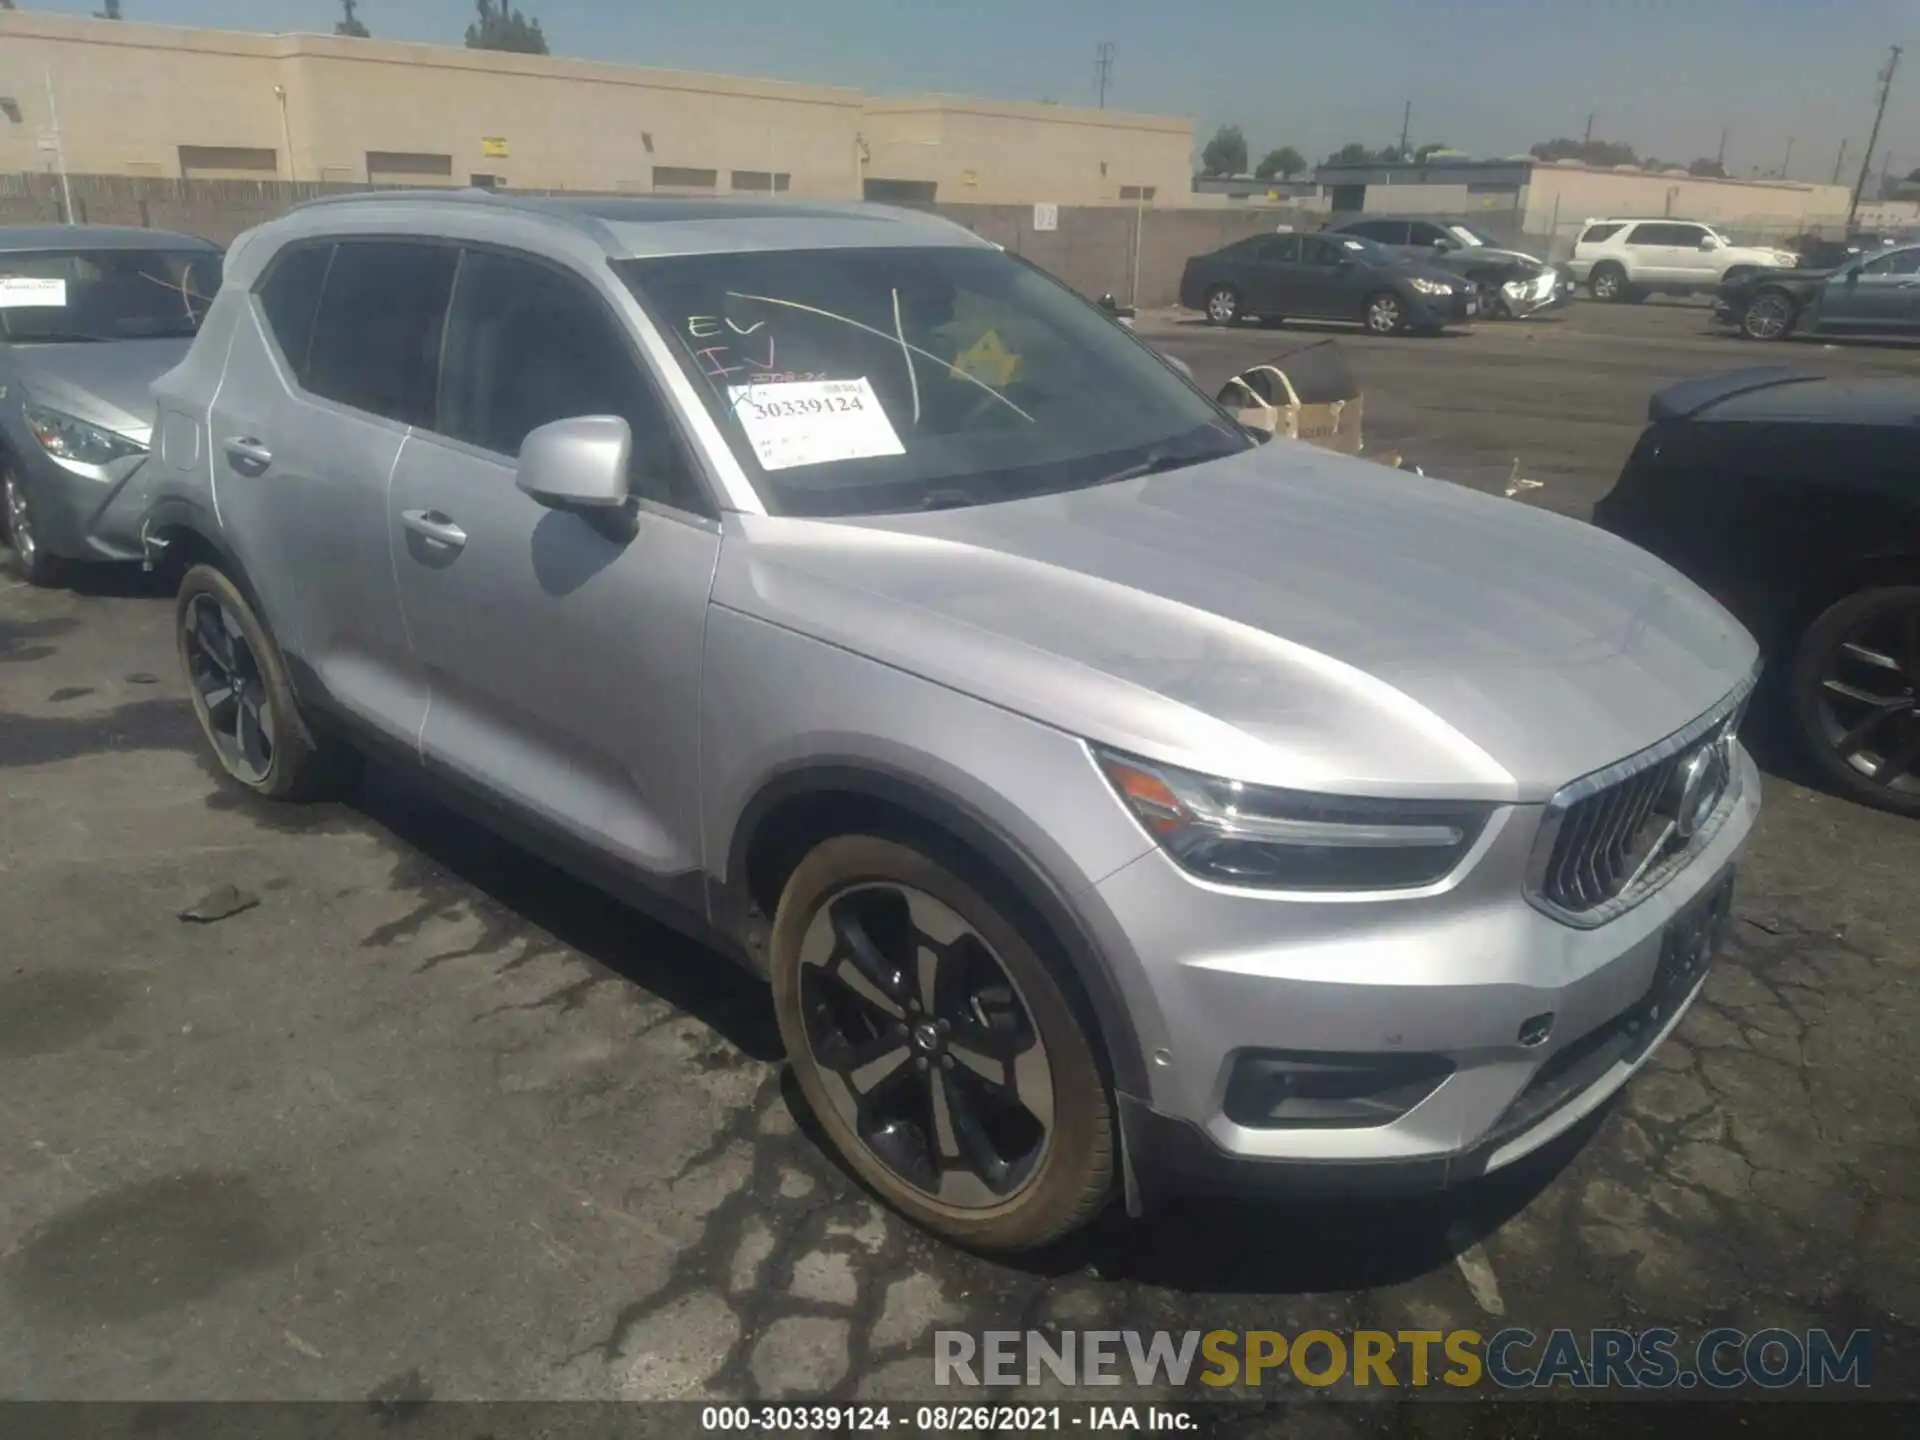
pixel 527 345
pixel 1899 262
pixel 1382 232
pixel 1281 250
pixel 860 381
pixel 1320 250
pixel 105 295
pixel 376 337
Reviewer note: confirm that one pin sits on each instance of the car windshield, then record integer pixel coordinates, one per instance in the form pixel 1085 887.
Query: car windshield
pixel 95 295
pixel 868 380
pixel 1469 236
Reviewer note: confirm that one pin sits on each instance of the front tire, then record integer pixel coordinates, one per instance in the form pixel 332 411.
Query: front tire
pixel 1222 305
pixel 1386 313
pixel 1608 283
pixel 29 558
pixel 1770 315
pixel 939 1051
pixel 242 697
pixel 1854 696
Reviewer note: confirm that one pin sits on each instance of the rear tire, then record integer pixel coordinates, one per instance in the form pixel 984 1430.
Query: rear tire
pixel 243 699
pixel 1222 305
pixel 1608 283
pixel 1854 696
pixel 26 555
pixel 1770 315
pixel 993 1125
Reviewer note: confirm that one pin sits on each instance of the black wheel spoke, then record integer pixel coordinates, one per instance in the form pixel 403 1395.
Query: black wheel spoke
pixel 1851 743
pixel 1896 764
pixel 971 1141
pixel 856 947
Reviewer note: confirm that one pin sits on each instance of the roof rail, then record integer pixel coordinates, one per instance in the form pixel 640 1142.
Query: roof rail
pixel 469 193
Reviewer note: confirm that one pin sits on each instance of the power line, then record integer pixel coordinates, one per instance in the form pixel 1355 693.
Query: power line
pixel 1879 114
pixel 1102 69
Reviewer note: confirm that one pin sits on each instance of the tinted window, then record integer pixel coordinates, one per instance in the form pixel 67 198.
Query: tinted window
pixel 864 380
pixel 1424 234
pixel 1900 262
pixel 1281 249
pixel 1385 232
pixel 1319 250
pixel 78 295
pixel 1666 235
pixel 376 340
pixel 290 297
pixel 526 345
pixel 1596 233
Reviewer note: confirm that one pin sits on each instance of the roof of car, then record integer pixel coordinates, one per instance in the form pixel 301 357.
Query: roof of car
pixel 14 238
pixel 633 227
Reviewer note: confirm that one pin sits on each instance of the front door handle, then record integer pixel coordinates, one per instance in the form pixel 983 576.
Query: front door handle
pixel 248 453
pixel 435 526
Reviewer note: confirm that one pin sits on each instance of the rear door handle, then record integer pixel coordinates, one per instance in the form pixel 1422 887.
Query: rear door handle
pixel 244 450
pixel 435 526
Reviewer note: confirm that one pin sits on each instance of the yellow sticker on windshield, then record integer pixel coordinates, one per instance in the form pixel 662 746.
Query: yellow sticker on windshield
pixel 988 359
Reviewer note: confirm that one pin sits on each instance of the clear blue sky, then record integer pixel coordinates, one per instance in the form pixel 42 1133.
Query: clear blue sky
pixel 1489 76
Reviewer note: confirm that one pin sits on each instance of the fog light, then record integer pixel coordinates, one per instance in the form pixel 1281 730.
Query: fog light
pixel 1273 1089
pixel 1536 1030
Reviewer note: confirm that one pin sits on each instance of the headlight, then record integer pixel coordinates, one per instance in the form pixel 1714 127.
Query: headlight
pixel 1430 287
pixel 1250 835
pixel 66 438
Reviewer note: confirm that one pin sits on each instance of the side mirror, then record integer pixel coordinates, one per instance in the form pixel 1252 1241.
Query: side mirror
pixel 1177 363
pixel 1441 243
pixel 1853 275
pixel 1707 242
pixel 577 464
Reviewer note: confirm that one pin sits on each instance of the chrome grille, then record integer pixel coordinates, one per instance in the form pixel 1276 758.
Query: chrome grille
pixel 1614 837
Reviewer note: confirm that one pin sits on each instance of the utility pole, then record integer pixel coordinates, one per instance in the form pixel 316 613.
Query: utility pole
pixel 1873 138
pixel 1102 69
pixel 59 150
pixel 1406 123
pixel 1721 158
pixel 1839 162
pixel 1587 139
pixel 1789 159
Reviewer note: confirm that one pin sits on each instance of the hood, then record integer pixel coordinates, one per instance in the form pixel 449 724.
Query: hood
pixel 1812 274
pixel 1283 616
pixel 104 383
pixel 1768 256
pixel 1481 254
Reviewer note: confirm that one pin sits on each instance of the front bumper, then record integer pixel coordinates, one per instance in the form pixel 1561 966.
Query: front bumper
pixel 1534 303
pixel 1457 975
pixel 90 514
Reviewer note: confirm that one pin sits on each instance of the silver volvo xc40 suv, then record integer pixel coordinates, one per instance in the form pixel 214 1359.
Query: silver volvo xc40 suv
pixel 1117 805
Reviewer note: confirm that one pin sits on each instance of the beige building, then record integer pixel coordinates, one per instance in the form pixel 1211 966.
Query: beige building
pixel 119 98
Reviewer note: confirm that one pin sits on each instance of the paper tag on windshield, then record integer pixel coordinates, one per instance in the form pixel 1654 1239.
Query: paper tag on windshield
pixel 20 291
pixel 809 422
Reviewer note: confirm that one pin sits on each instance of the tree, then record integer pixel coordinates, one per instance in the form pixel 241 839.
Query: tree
pixel 351 26
pixel 1286 162
pixel 1351 153
pixel 1711 169
pixel 1226 153
pixel 1590 152
pixel 1427 150
pixel 501 27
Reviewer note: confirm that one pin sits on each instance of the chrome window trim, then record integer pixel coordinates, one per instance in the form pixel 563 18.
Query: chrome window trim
pixel 1724 715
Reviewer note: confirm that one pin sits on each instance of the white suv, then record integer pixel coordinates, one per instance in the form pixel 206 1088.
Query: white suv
pixel 1631 259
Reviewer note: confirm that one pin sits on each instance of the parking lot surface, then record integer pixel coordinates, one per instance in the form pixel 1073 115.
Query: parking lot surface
pixel 429 1119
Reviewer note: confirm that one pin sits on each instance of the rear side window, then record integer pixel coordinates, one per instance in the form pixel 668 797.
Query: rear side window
pixel 1665 235
pixel 291 297
pixel 1596 233
pixel 527 345
pixel 1281 250
pixel 376 339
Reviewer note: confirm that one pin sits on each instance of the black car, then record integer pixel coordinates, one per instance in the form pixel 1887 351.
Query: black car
pixel 1872 293
pixel 1512 284
pixel 1324 277
pixel 1795 500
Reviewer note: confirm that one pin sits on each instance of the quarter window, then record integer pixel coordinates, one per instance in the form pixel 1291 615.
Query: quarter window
pixel 1597 233
pixel 291 297
pixel 526 345
pixel 376 339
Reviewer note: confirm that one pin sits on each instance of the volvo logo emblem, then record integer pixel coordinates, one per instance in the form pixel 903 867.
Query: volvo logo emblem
pixel 1697 786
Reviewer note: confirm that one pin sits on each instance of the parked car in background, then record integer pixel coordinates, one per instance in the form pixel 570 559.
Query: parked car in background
pixel 1632 259
pixel 1511 282
pixel 1795 500
pixel 1099 789
pixel 1876 293
pixel 1324 277
pixel 90 316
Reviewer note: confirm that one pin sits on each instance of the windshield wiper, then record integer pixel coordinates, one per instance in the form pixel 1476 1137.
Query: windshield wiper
pixel 58 337
pixel 1156 462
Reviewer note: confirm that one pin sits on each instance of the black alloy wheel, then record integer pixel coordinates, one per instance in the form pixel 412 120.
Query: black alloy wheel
pixel 1857 696
pixel 925 1045
pixel 1769 316
pixel 229 690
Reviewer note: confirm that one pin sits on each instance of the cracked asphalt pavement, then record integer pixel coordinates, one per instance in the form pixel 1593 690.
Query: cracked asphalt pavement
pixel 433 1120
